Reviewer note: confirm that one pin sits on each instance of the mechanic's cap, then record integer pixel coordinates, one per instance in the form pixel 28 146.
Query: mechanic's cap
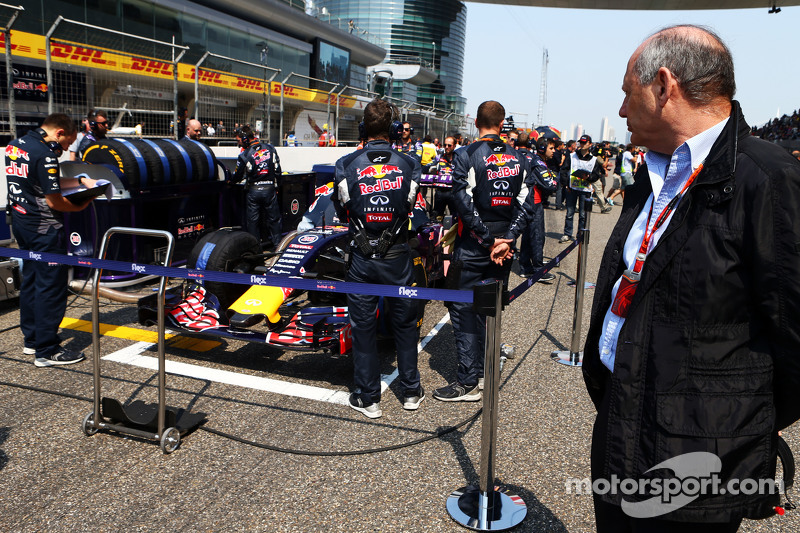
pixel 585 139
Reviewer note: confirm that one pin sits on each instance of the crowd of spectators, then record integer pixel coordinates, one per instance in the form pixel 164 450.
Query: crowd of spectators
pixel 786 128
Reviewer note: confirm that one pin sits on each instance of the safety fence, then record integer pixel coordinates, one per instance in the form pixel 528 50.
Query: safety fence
pixel 144 88
pixel 485 507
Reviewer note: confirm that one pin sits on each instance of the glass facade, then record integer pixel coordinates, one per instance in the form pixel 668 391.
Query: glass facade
pixel 419 32
pixel 146 19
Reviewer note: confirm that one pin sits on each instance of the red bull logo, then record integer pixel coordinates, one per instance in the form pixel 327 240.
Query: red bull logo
pixel 499 159
pixel 14 153
pixel 377 171
pixel 381 185
pixel 42 87
pixel 503 172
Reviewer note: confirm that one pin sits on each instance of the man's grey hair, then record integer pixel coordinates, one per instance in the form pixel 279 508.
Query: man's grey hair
pixel 700 61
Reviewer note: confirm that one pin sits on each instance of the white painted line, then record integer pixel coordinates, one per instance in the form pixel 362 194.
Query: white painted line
pixel 132 355
pixel 129 357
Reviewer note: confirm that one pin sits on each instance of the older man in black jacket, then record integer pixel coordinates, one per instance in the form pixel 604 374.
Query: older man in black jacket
pixel 693 353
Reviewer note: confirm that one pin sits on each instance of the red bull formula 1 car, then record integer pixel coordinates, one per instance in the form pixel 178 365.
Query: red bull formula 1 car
pixel 283 317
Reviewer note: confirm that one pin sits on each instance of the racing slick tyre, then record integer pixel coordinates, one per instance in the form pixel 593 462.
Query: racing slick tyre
pixel 180 164
pixel 122 155
pixel 155 163
pixel 203 160
pixel 225 250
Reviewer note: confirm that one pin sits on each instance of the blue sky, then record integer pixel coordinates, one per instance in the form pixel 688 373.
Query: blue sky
pixel 589 49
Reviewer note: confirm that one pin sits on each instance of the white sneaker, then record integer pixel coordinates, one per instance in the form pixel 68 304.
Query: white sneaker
pixel 29 351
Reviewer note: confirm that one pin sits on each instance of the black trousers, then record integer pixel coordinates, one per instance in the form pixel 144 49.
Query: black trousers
pixel 43 294
pixel 470 327
pixel 262 209
pixel 531 246
pixel 395 269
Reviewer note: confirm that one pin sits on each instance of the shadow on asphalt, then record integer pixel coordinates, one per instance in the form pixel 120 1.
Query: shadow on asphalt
pixel 4 433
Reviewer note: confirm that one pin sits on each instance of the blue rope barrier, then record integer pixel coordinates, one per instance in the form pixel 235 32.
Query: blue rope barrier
pixel 396 291
pixel 528 283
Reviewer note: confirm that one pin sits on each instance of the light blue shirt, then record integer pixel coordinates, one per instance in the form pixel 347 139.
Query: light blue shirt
pixel 668 175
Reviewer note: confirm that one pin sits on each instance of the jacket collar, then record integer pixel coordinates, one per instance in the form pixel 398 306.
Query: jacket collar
pixel 721 161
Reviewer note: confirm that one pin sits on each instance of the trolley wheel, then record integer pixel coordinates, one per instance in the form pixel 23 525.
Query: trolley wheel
pixel 170 440
pixel 88 425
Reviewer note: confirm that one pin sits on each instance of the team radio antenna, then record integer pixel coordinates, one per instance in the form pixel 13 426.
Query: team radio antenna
pixel 543 89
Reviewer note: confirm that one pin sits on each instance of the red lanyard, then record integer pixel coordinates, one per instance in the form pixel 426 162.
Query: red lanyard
pixel 642 255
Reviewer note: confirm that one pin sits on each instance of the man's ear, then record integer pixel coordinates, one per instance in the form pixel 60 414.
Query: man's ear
pixel 666 85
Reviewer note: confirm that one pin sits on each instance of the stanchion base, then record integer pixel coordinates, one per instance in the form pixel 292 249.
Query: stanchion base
pixel 586 284
pixel 568 358
pixel 506 509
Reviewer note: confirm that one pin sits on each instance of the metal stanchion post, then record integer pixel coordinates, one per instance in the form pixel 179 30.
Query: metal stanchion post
pixel 488 507
pixel 574 357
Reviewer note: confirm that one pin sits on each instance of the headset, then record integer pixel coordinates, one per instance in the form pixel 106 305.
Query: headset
pixel 395 127
pixel 246 137
pixel 541 145
pixel 53 145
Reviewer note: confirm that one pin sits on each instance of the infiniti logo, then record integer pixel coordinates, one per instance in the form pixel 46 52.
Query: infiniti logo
pixel 379 200
pixel 501 185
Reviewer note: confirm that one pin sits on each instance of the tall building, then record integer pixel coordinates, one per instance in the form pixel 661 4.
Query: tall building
pixel 578 131
pixel 430 34
pixel 604 130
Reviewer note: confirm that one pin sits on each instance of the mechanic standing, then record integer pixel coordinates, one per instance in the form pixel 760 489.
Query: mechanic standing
pixel 98 127
pixel 493 206
pixel 258 162
pixel 36 206
pixel 376 188
pixel 543 181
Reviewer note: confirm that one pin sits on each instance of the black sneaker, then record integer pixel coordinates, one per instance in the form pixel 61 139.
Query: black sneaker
pixel 456 392
pixel 411 400
pixel 372 410
pixel 62 356
pixel 547 277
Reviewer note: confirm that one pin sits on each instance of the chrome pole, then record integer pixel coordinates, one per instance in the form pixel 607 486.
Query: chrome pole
pixel 488 507
pixel 574 357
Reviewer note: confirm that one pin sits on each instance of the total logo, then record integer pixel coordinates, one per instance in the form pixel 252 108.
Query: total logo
pixel 501 184
pixel 404 291
pixel 308 239
pixel 379 217
pixel 379 200
pixel 501 200
pixel 381 185
pixel 499 159
pixel 503 172
pixel 377 171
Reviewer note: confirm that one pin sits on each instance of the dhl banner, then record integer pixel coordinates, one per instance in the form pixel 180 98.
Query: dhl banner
pixel 33 46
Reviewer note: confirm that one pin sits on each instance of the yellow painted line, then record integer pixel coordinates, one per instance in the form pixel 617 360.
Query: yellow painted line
pixel 141 335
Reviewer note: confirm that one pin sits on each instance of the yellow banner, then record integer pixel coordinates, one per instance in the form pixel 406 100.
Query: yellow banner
pixel 31 45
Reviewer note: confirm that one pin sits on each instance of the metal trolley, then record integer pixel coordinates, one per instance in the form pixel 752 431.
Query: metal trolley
pixel 156 422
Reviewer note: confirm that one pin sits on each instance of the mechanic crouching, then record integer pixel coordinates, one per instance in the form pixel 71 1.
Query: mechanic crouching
pixel 375 189
pixel 259 163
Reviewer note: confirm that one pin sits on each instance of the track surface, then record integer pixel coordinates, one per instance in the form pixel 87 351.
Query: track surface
pixel 56 479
